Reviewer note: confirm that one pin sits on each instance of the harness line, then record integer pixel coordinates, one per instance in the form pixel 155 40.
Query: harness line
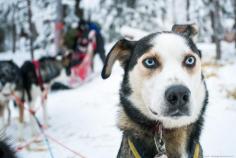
pixel 197 151
pixel 46 136
pixel 133 149
pixel 65 147
pixel 26 144
pixel 33 113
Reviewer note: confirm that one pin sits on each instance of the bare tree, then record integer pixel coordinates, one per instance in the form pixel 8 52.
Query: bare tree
pixel 235 22
pixel 13 29
pixel 210 3
pixel 78 10
pixel 217 27
pixel 131 3
pixel 30 28
pixel 174 11
pixel 59 26
pixel 187 10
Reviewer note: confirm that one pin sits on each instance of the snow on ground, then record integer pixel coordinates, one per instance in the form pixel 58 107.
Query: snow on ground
pixel 219 137
pixel 85 118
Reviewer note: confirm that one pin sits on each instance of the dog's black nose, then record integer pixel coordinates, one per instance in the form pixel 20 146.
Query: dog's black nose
pixel 177 95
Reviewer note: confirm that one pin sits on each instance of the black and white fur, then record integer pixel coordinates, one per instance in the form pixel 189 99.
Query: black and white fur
pixel 51 70
pixel 23 82
pixel 143 102
pixel 6 150
pixel 10 82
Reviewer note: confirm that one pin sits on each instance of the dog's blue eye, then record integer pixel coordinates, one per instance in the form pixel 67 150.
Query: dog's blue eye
pixel 190 61
pixel 150 63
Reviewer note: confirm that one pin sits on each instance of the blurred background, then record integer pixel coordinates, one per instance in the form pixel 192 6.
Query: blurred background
pixel 83 117
pixel 23 20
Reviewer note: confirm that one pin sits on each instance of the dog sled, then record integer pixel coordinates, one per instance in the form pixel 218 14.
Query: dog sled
pixel 87 42
pixel 77 74
pixel 81 73
pixel 80 69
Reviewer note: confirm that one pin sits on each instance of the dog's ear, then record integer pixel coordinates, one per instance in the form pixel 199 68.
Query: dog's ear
pixel 189 30
pixel 120 51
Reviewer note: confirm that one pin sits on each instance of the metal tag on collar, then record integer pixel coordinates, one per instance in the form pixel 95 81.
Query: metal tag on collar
pixel 160 144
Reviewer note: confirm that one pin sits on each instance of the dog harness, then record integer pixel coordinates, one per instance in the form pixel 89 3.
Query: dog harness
pixel 38 73
pixel 160 146
pixel 136 154
pixel 133 149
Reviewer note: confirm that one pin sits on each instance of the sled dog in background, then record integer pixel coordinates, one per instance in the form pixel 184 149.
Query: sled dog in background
pixel 38 76
pixel 11 83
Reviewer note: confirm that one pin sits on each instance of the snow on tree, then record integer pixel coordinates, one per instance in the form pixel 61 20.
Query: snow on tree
pixel 112 15
pixel 14 18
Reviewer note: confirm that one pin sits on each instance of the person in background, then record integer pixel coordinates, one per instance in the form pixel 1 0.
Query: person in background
pixel 81 42
pixel 99 40
pixel 88 33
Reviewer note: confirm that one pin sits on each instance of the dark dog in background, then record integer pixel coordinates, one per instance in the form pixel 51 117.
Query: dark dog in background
pixel 27 83
pixel 38 76
pixel 11 82
pixel 23 84
pixel 163 95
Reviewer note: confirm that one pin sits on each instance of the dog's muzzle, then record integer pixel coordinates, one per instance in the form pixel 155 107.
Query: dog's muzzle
pixel 177 100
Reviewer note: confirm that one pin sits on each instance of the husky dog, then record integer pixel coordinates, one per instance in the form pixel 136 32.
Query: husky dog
pixel 163 95
pixel 38 77
pixel 10 82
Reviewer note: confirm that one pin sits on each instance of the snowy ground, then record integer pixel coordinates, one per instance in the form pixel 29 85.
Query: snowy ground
pixel 84 118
